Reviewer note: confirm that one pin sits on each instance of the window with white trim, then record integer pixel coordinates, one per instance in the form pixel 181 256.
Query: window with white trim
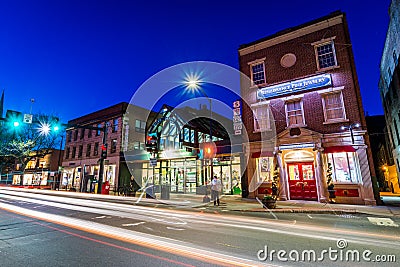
pixel 257 73
pixel 333 107
pixel 345 167
pixel 294 113
pixel 262 118
pixel 326 55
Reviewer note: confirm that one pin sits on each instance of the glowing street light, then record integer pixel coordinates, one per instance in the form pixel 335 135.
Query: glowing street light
pixel 350 127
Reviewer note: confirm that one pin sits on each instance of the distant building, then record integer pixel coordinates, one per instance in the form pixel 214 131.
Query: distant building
pixel 381 152
pixel 83 147
pixel 304 84
pixel 40 171
pixel 389 87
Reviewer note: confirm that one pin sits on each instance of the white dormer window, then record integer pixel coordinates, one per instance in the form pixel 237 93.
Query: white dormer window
pixel 262 118
pixel 257 73
pixel 325 54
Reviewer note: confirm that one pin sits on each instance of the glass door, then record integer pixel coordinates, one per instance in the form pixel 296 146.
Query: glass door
pixel 302 183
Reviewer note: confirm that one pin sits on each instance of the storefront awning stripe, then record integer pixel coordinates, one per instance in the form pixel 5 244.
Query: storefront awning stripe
pixel 262 154
pixel 338 149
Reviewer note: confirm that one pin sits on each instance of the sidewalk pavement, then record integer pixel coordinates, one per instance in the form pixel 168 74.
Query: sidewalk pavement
pixel 237 203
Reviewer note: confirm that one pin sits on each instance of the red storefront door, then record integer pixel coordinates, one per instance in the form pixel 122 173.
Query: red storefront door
pixel 302 181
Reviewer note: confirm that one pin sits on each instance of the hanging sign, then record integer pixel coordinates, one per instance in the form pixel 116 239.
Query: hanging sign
pixel 237 118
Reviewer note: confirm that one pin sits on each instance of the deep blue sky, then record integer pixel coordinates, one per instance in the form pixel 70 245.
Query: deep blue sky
pixel 75 57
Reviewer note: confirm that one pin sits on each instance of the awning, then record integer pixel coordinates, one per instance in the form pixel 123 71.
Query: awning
pixel 338 149
pixel 262 154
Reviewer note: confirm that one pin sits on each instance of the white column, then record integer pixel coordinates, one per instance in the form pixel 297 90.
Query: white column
pixel 366 188
pixel 282 174
pixel 320 178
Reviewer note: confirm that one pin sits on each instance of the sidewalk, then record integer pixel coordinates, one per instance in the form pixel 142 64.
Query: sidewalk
pixel 236 203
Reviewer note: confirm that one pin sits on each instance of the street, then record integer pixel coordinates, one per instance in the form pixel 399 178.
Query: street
pixel 39 229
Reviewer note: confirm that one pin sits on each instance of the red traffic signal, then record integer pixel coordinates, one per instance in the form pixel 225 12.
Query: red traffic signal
pixel 151 143
pixel 209 150
pixel 103 151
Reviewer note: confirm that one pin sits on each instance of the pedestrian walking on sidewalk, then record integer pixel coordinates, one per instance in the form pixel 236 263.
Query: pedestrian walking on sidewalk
pixel 216 187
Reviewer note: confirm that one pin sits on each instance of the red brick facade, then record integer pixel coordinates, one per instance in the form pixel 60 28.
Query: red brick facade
pixel 317 131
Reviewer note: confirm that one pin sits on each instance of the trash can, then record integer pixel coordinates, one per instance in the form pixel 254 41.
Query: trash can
pixel 150 192
pixel 165 190
pixel 105 188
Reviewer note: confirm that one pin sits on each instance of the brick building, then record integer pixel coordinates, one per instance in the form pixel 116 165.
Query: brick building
pixel 389 87
pixel 83 146
pixel 303 85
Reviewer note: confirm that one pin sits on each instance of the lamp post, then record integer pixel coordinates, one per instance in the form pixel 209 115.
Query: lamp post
pixel 193 83
pixel 351 127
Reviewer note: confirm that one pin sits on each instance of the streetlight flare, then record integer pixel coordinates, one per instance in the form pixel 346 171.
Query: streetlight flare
pixel 192 82
pixel 44 128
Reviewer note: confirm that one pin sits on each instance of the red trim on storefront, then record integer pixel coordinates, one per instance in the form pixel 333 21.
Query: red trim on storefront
pixel 262 154
pixel 337 149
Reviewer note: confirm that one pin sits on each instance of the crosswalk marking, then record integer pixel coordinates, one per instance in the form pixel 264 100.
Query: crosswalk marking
pixel 382 221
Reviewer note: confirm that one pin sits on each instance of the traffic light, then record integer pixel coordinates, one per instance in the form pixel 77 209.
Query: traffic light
pixel 14 119
pixel 103 151
pixel 151 143
pixel 208 150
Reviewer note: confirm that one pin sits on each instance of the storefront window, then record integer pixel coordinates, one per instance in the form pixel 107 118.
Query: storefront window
pixel 345 169
pixel 264 168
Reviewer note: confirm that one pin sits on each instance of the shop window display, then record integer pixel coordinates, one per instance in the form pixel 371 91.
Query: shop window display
pixel 264 169
pixel 345 169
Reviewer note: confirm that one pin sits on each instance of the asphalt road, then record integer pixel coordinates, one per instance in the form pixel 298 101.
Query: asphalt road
pixel 42 230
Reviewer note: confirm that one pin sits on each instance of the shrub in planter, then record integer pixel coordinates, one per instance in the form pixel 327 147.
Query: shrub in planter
pixel 330 184
pixel 269 201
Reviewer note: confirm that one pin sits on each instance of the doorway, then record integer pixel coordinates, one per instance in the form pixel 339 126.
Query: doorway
pixel 302 183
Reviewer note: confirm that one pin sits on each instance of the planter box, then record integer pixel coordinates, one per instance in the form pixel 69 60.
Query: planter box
pixel 270 203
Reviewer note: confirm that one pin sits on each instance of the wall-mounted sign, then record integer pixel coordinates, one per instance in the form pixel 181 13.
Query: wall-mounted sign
pixel 294 86
pixel 296 146
pixel 237 118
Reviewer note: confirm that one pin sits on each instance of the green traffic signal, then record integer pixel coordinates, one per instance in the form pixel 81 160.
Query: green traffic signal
pixel 16 123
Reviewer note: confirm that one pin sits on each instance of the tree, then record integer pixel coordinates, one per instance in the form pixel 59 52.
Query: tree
pixel 21 143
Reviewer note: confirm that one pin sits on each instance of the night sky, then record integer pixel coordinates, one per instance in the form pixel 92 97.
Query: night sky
pixel 76 57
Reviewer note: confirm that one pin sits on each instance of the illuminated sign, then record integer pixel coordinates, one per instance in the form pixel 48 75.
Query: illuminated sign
pixel 294 86
pixel 237 118
pixel 296 146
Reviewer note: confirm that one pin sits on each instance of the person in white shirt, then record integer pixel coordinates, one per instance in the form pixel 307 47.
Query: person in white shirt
pixel 216 187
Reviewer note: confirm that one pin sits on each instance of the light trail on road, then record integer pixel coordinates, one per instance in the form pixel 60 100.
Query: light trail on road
pixel 183 249
pixel 188 219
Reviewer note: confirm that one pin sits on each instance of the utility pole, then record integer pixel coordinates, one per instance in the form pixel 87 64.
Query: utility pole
pixel 101 170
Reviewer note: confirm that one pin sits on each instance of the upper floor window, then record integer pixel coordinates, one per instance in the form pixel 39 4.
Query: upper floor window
pixel 98 131
pixel 80 150
pixel 333 107
pixel 140 126
pixel 88 148
pixel 96 149
pixel 67 153
pixel 262 118
pixel 73 152
pixel 89 133
pixel 326 55
pixel 258 73
pixel 82 133
pixel 69 136
pixel 75 135
pixel 294 113
pixel 113 145
pixel 115 125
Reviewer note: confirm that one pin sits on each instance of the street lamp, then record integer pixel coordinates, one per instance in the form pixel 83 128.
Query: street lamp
pixel 193 84
pixel 350 127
